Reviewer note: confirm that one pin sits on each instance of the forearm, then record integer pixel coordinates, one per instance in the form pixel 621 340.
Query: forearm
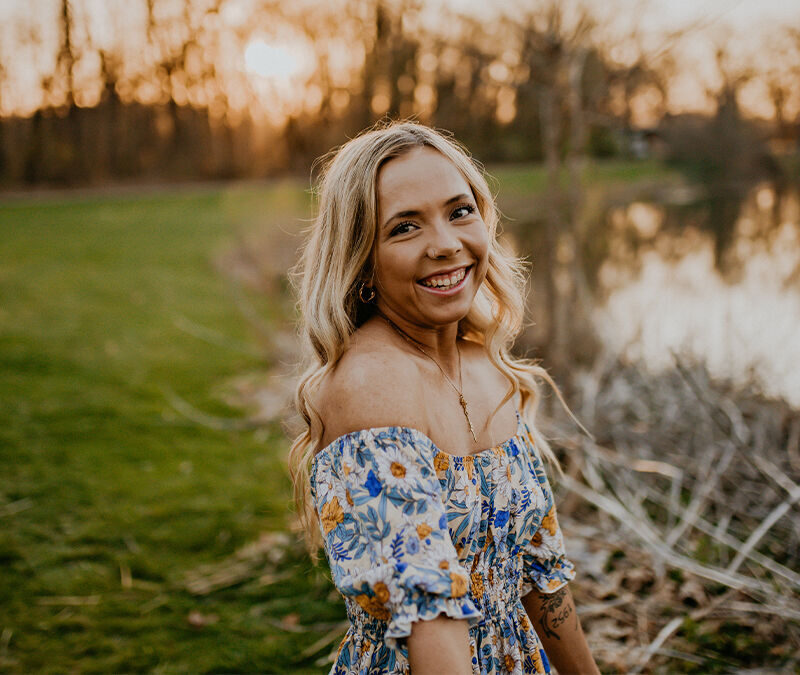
pixel 557 624
pixel 440 645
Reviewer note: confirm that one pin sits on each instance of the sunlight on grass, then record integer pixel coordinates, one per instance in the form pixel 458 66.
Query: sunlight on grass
pixel 114 478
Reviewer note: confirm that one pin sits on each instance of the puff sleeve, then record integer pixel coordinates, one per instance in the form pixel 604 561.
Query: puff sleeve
pixel 385 530
pixel 545 565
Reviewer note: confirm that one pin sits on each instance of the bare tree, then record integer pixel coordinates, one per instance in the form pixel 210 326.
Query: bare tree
pixel 65 61
pixel 555 44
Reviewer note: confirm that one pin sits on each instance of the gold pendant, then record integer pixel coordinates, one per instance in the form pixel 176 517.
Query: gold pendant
pixel 463 403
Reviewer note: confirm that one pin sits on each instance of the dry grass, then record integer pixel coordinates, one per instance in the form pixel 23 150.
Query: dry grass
pixel 682 516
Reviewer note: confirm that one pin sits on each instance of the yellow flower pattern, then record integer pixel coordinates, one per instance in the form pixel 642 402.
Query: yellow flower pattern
pixel 469 466
pixel 373 607
pixel 458 585
pixel 332 514
pixel 549 522
pixel 476 581
pixel 441 462
pixel 424 530
pixel 382 592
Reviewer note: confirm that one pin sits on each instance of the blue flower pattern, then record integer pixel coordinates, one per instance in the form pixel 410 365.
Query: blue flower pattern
pixel 412 533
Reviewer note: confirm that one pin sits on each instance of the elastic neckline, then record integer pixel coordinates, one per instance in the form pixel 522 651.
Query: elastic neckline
pixel 520 432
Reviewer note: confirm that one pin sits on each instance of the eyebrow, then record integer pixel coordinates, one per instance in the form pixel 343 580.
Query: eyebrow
pixel 409 214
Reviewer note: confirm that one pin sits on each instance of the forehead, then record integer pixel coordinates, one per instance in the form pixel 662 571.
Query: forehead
pixel 416 179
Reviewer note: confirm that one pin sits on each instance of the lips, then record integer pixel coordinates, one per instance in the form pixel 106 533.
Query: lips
pixel 446 280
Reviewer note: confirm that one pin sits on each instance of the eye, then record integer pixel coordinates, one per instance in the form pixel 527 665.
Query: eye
pixel 462 211
pixel 402 228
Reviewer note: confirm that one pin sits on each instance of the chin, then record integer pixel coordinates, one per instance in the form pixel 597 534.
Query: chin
pixel 448 315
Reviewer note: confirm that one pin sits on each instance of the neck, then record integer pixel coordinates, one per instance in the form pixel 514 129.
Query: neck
pixel 439 342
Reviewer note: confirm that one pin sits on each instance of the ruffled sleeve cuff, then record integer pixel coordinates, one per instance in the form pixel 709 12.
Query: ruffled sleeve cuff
pixel 424 607
pixel 547 576
pixel 426 593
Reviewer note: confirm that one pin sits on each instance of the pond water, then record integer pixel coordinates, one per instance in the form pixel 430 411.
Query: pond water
pixel 716 279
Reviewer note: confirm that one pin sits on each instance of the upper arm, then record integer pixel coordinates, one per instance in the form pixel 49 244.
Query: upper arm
pixel 440 645
pixel 365 391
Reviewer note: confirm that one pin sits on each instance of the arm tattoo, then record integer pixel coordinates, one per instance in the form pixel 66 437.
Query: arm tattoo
pixel 555 612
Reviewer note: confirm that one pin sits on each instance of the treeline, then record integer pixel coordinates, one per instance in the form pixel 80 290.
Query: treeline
pixel 539 86
pixel 117 140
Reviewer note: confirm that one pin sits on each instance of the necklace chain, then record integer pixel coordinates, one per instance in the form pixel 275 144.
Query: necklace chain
pixel 458 390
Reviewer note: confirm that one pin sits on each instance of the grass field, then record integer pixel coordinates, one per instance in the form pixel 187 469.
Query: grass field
pixel 100 475
pixel 107 495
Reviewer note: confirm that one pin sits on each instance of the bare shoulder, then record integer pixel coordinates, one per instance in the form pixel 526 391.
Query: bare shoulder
pixel 373 385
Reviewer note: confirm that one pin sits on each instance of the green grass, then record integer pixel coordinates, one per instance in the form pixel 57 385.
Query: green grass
pixel 524 179
pixel 100 474
pixel 89 296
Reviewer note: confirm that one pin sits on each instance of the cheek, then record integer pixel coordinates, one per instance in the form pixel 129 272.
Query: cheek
pixel 394 268
pixel 480 245
pixel 481 251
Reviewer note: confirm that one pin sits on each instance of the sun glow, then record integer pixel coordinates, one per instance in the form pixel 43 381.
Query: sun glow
pixel 279 73
pixel 273 61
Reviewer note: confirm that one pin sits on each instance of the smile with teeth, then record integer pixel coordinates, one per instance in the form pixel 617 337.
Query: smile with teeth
pixel 445 281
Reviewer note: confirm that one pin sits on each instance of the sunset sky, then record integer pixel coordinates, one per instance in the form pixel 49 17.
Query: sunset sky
pixel 272 69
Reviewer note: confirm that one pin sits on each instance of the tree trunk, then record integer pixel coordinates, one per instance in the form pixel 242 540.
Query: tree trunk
pixel 578 298
pixel 556 346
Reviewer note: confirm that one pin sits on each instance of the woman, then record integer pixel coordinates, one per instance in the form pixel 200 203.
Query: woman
pixel 418 467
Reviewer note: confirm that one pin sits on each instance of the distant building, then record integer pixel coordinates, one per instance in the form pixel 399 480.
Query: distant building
pixel 647 143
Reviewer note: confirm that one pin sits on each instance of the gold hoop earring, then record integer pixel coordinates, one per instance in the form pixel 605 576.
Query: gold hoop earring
pixel 370 295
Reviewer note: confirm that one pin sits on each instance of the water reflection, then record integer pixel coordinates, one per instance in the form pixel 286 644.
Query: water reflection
pixel 716 280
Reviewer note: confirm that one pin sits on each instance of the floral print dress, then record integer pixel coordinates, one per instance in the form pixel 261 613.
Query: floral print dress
pixel 412 532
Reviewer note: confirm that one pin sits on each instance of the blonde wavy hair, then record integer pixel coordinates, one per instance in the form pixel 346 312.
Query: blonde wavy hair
pixel 337 257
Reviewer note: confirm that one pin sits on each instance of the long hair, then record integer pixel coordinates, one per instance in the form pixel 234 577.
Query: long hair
pixel 337 257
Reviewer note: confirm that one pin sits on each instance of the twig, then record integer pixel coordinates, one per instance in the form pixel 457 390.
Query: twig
pixel 774 516
pixel 204 419
pixel 285 625
pixel 683 656
pixel 155 603
pixel 15 507
pixel 602 607
pixel 71 600
pixel 639 465
pixel 793 445
pixel 325 640
pixel 771 471
pixel 214 337
pixel 663 635
pixel 125 578
pixel 5 640
pixel 700 497
pixel 757 608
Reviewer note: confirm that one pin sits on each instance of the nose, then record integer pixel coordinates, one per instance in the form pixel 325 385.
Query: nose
pixel 443 242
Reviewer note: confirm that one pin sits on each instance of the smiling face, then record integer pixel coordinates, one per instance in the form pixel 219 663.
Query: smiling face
pixel 431 247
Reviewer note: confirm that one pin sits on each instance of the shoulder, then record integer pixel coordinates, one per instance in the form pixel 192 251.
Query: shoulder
pixel 373 385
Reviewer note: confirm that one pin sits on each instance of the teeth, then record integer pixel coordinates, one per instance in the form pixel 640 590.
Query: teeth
pixel 445 281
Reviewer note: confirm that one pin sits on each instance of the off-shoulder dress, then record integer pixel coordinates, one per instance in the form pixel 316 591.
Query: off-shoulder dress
pixel 412 532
